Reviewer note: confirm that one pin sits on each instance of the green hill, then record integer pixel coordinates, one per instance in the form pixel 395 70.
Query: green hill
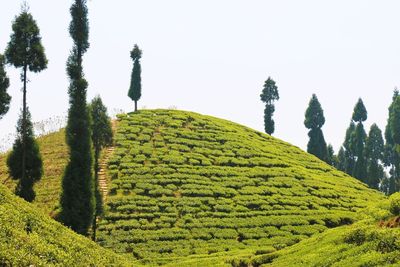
pixel 28 237
pixel 55 155
pixel 186 184
pixel 374 241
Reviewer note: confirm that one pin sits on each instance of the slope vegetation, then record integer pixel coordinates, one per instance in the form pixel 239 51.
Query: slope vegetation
pixel 28 237
pixel 187 184
pixel 55 156
pixel 374 241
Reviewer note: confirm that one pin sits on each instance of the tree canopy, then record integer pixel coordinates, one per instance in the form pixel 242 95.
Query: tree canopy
pixel 314 120
pixel 269 95
pixel 34 164
pixel 78 189
pixel 135 89
pixel 5 98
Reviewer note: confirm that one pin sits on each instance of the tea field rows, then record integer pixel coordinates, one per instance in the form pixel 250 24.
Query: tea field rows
pixel 187 184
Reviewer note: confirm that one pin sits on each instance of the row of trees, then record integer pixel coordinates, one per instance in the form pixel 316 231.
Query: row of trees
pixel 88 129
pixel 366 157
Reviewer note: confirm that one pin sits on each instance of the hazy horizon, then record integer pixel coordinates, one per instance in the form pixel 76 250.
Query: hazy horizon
pixel 213 58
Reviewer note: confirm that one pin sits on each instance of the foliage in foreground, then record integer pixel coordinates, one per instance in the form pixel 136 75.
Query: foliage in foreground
pixel 28 237
pixel 187 184
pixel 54 155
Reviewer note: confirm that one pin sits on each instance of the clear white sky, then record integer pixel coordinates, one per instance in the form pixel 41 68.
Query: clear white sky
pixel 213 57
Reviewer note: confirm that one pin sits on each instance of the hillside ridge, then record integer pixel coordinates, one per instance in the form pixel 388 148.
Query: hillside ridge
pixel 189 184
pixel 28 237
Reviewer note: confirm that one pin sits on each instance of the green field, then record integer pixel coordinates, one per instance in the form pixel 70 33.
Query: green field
pixel 193 190
pixel 187 184
pixel 365 243
pixel 28 237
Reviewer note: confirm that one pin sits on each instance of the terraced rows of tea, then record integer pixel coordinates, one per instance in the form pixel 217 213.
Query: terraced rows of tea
pixel 28 237
pixel 184 183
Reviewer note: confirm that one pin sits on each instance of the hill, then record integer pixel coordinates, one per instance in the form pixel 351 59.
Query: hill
pixel 55 156
pixel 28 237
pixel 373 241
pixel 186 184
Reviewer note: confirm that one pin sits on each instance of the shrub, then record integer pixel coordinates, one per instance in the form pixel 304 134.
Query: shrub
pixel 395 204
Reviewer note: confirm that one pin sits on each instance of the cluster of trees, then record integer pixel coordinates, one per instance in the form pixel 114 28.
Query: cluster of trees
pixel 88 128
pixel 370 158
pixel 366 157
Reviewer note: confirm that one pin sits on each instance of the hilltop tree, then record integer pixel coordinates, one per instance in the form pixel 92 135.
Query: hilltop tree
pixel 101 137
pixel 269 95
pixel 34 164
pixel 393 142
pixel 135 89
pixel 78 197
pixel 4 84
pixel 391 157
pixel 25 51
pixel 314 120
pixel 347 161
pixel 374 154
pixel 358 141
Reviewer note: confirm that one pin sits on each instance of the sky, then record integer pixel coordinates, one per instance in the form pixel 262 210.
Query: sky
pixel 213 57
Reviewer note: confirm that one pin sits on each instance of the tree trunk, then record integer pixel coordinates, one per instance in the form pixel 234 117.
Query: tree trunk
pixel 135 105
pixel 24 128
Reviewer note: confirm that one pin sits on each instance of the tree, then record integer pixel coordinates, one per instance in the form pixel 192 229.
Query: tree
pixel 269 95
pixel 349 154
pixel 374 153
pixel 101 137
pixel 25 51
pixel 135 90
pixel 314 120
pixel 391 157
pixel 4 84
pixel 341 158
pixel 34 164
pixel 358 141
pixel 331 158
pixel 78 197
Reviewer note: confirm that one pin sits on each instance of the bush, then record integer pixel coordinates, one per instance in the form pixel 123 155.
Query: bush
pixel 395 204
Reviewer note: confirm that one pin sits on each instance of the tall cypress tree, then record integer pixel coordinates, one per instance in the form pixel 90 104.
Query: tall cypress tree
pixel 25 50
pixel 314 120
pixel 77 198
pixel 269 95
pixel 391 157
pixel 341 158
pixel 101 137
pixel 5 98
pixel 374 154
pixel 34 164
pixel 358 142
pixel 331 158
pixel 347 161
pixel 135 89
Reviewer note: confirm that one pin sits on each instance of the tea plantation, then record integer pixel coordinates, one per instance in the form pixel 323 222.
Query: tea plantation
pixel 374 241
pixel 185 184
pixel 28 237
pixel 55 155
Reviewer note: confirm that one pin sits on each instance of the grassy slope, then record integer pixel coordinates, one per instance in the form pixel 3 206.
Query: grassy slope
pixel 28 237
pixel 187 184
pixel 55 155
pixel 364 243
